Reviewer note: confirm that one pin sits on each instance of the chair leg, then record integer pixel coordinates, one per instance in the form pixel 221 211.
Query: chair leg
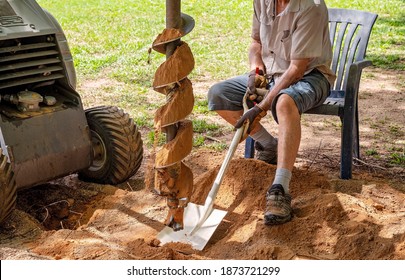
pixel 249 147
pixel 346 156
pixel 356 138
pixel 346 160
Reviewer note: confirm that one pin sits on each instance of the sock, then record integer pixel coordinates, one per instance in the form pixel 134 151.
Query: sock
pixel 283 177
pixel 265 138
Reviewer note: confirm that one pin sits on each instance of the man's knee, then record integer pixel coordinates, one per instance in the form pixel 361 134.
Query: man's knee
pixel 214 91
pixel 214 97
pixel 286 106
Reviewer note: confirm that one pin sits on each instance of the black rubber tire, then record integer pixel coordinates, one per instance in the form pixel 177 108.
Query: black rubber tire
pixel 8 188
pixel 117 146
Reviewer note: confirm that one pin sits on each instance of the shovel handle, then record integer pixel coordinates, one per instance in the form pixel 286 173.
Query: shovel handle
pixel 231 151
pixel 209 201
pixel 225 164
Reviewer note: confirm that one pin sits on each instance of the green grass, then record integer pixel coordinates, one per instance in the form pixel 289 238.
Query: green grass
pixel 398 159
pixel 371 152
pixel 201 126
pixel 113 37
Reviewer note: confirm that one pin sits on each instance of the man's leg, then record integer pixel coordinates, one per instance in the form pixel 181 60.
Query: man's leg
pixel 230 116
pixel 287 107
pixel 289 120
pixel 226 96
pixel 278 208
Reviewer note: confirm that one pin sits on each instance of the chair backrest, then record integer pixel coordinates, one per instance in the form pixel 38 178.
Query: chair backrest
pixel 349 33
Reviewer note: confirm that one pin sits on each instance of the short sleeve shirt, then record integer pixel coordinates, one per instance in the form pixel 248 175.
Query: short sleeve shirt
pixel 300 31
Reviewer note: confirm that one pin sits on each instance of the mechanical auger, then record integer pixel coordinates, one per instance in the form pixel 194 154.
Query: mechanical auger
pixel 172 178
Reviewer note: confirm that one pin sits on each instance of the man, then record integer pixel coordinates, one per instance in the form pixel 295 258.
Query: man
pixel 291 48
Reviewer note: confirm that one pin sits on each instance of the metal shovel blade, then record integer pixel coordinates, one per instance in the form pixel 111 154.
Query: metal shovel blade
pixel 192 215
pixel 200 222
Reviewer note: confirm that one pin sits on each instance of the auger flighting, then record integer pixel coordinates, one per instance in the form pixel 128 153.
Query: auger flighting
pixel 172 178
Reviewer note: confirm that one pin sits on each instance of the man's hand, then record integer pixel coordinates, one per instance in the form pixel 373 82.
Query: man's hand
pixel 251 118
pixel 256 80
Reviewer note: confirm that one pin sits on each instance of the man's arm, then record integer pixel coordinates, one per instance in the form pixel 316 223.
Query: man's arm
pixel 294 73
pixel 255 56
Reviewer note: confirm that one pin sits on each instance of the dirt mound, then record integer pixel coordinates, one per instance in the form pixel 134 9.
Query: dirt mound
pixel 333 219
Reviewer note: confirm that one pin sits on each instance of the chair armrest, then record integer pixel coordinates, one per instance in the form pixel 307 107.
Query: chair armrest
pixel 353 81
pixel 362 64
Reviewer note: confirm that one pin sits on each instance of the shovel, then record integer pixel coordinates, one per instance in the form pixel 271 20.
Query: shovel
pixel 200 222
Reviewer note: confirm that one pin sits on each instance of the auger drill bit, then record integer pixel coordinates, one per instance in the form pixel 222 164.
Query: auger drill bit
pixel 173 179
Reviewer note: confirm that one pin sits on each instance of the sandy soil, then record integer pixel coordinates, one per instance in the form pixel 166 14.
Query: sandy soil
pixel 362 218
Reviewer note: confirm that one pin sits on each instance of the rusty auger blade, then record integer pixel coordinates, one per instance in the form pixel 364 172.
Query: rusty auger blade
pixel 172 178
pixel 186 222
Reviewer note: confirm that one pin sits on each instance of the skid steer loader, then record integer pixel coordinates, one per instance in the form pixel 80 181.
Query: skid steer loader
pixel 45 133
